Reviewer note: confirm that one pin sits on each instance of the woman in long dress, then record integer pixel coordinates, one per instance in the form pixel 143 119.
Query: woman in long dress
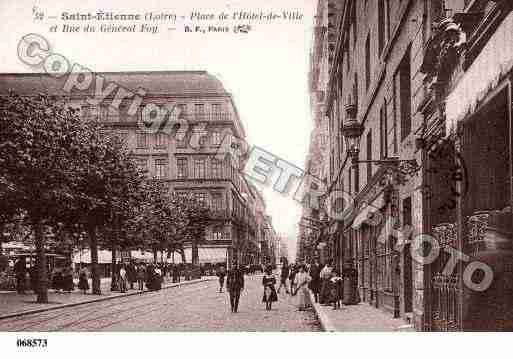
pixel 302 280
pixel 269 282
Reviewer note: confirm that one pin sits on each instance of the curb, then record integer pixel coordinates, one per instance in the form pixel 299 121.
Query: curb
pixel 325 321
pixel 101 299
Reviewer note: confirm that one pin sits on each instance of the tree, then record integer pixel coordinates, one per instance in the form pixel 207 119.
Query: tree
pixel 110 187
pixel 196 217
pixel 38 145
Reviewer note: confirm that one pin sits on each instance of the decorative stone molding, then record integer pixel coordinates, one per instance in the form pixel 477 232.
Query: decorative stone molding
pixel 446 234
pixel 443 52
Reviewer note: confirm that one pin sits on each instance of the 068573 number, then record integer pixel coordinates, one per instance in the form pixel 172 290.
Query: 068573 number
pixel 31 343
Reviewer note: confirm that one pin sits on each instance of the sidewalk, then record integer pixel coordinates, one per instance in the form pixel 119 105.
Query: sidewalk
pixel 357 318
pixel 13 304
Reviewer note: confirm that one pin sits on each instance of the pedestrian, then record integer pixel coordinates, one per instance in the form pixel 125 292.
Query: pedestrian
pixel 20 269
pixel 83 283
pixel 157 277
pixel 34 280
pixel 336 289
pixel 325 275
pixel 122 279
pixel 57 280
pixel 67 280
pixel 302 280
pixel 315 283
pixel 221 273
pixel 269 281
pixel 148 276
pixel 283 277
pixel 141 272
pixel 235 285
pixel 131 274
pixel 350 275
pixel 176 274
pixel 292 277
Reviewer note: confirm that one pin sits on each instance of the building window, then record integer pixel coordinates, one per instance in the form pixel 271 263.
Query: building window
pixel 369 155
pixel 142 140
pixel 383 132
pixel 355 90
pixel 201 197
pixel 181 111
pixel 161 166
pixel 142 164
pixel 181 167
pixel 216 168
pixel 109 114
pixel 357 179
pixel 403 82
pixel 350 181
pixel 160 140
pixel 199 168
pixel 123 137
pixel 353 20
pixel 387 15
pixel 407 218
pixel 181 137
pixel 216 112
pixel 381 26
pixel 217 201
pixel 90 112
pixel 346 54
pixel 216 138
pixel 367 63
pixel 395 116
pixel 199 111
pixel 217 233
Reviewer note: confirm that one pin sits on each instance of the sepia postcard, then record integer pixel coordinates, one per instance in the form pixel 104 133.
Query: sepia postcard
pixel 255 166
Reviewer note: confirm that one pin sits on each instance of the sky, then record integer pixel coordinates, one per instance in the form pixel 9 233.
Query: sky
pixel 265 70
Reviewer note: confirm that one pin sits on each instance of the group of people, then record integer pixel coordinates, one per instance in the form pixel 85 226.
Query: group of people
pixel 62 279
pixel 130 274
pixel 332 286
pixel 300 284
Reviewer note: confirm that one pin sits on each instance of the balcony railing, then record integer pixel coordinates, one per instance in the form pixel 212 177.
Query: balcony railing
pixel 215 116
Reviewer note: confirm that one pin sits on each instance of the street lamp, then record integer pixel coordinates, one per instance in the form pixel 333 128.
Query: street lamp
pixel 352 131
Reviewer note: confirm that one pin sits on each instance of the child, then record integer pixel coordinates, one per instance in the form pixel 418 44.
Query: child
pixel 269 281
pixel 336 289
pixel 83 284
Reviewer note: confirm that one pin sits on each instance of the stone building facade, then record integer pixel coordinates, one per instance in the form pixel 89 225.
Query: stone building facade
pixel 408 72
pixel 183 157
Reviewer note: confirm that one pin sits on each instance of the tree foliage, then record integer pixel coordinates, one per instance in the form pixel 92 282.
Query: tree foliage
pixel 59 172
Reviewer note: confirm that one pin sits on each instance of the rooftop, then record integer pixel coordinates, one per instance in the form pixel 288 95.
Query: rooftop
pixel 153 82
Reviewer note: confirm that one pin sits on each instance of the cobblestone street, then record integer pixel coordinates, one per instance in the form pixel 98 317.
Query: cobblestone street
pixel 197 307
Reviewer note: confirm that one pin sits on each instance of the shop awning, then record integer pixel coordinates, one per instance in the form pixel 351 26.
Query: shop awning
pixel 369 213
pixel 84 256
pixel 492 64
pixel 206 255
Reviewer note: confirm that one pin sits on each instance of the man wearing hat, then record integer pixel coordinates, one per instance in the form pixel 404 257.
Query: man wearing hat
pixel 234 285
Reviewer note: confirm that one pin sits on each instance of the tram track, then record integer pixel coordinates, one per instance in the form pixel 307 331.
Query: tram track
pixel 86 310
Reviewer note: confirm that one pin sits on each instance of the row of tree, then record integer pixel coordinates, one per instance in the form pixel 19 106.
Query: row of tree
pixel 59 171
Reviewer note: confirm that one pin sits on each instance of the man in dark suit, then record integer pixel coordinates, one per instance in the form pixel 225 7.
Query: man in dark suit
pixel 235 285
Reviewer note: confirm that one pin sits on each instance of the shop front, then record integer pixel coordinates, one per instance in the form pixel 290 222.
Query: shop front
pixel 370 247
pixel 469 177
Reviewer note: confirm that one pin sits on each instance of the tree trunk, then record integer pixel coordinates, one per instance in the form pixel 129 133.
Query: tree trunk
pixel 42 283
pixel 155 255
pixel 114 270
pixel 182 254
pixel 93 247
pixel 194 253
